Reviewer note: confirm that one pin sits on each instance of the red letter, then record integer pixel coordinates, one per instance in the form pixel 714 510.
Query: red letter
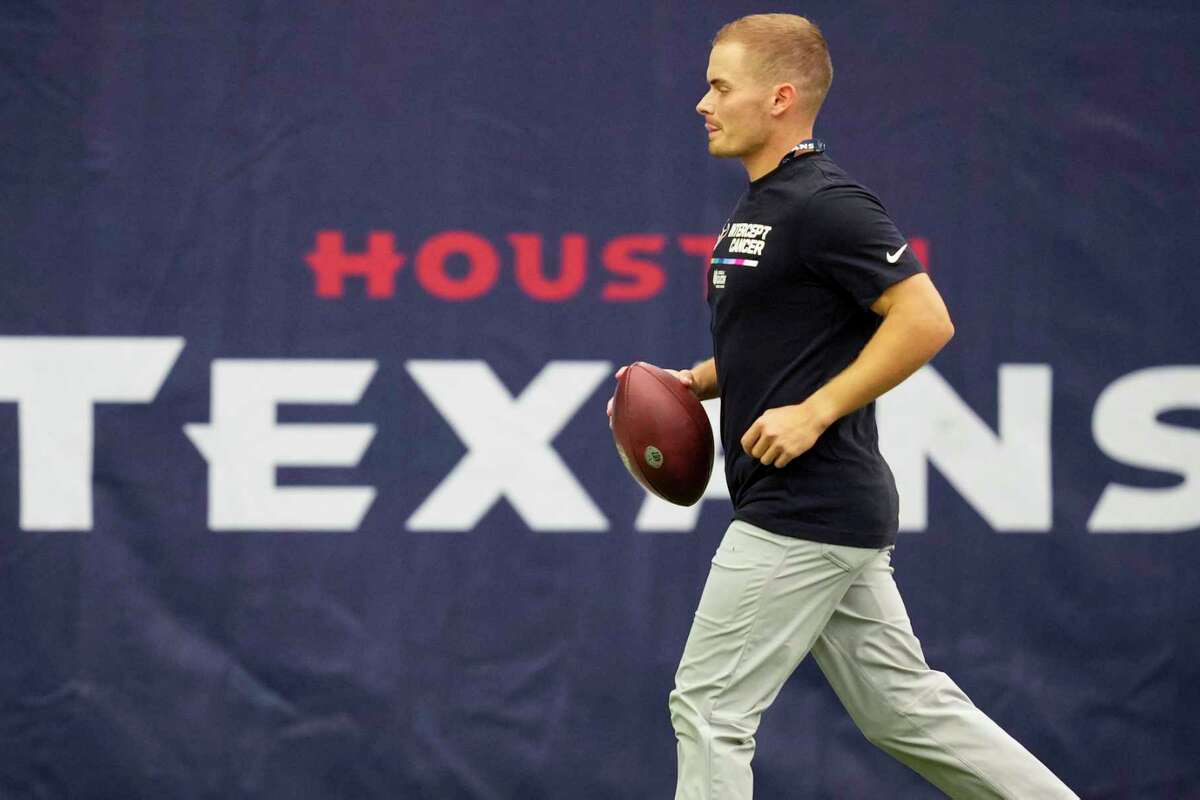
pixel 702 245
pixel 648 276
pixel 920 246
pixel 332 263
pixel 527 248
pixel 483 265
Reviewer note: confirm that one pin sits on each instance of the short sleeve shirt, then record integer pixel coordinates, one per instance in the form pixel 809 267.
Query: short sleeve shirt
pixel 805 254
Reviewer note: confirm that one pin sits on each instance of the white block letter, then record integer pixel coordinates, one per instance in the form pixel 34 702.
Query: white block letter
pixel 243 445
pixel 1005 477
pixel 55 380
pixel 509 453
pixel 1126 428
pixel 657 514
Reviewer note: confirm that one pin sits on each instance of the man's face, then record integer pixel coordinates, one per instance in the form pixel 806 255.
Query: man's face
pixel 736 108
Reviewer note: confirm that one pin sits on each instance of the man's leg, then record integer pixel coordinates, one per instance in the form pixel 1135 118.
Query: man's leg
pixel 766 600
pixel 915 714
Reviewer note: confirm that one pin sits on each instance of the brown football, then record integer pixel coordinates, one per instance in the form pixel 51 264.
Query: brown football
pixel 662 433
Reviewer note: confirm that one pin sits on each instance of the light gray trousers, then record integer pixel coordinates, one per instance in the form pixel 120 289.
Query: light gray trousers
pixel 772 599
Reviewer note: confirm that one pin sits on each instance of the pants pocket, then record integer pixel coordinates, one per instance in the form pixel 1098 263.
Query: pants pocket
pixel 740 570
pixel 847 559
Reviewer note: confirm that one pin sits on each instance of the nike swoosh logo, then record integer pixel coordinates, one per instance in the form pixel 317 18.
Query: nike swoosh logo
pixel 894 257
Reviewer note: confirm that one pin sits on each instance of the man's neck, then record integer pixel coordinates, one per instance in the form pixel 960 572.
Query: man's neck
pixel 767 157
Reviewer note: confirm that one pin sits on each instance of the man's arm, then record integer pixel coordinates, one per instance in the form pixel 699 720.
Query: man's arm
pixel 703 379
pixel 916 325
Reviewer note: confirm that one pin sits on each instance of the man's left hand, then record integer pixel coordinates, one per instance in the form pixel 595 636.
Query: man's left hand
pixel 783 433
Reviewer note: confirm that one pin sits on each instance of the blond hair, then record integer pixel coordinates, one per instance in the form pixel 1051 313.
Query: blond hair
pixel 786 48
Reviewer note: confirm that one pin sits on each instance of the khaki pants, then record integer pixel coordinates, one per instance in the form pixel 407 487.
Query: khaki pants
pixel 768 602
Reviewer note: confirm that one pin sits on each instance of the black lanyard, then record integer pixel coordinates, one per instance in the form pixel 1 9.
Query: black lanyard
pixel 804 148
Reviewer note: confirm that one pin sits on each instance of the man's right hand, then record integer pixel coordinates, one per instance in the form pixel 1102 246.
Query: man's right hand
pixel 684 375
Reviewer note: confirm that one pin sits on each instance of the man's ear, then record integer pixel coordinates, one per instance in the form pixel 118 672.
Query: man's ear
pixel 783 98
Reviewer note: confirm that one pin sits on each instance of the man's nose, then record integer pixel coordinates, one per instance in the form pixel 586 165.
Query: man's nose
pixel 702 108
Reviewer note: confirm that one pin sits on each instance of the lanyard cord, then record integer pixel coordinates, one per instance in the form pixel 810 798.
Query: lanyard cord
pixel 804 148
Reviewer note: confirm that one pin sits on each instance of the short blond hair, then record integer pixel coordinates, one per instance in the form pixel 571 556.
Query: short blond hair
pixel 785 47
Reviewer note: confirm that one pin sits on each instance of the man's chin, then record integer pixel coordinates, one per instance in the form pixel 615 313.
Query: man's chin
pixel 716 150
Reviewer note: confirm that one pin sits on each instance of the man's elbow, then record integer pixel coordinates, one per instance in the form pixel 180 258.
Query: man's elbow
pixel 947 329
pixel 927 321
pixel 943 331
pixel 934 327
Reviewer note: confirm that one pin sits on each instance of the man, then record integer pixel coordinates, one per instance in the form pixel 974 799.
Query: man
pixel 818 307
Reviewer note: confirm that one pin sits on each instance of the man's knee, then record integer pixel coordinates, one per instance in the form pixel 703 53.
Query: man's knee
pixel 928 693
pixel 693 718
pixel 687 715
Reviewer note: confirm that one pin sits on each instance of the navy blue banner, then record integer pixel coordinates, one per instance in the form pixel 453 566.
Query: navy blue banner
pixel 308 317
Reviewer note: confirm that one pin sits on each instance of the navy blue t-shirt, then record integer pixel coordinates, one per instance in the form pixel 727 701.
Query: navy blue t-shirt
pixel 794 273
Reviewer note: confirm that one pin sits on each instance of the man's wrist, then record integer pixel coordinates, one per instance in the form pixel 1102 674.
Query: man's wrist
pixel 822 407
pixel 704 380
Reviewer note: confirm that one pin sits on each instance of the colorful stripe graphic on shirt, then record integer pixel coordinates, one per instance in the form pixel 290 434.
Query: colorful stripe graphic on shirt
pixel 736 262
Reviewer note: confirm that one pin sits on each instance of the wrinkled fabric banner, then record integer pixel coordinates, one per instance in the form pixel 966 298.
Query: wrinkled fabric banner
pixel 308 318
